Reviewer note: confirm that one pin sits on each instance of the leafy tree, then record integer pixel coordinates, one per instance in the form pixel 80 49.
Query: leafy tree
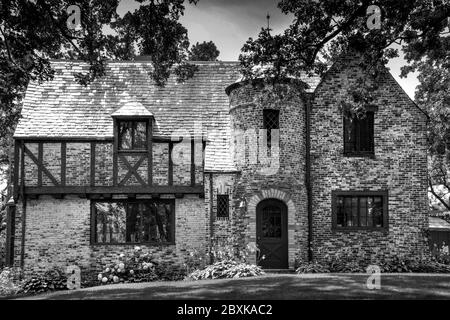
pixel 33 32
pixel 322 30
pixel 205 51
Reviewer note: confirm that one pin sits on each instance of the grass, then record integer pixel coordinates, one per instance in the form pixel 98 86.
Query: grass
pixel 273 286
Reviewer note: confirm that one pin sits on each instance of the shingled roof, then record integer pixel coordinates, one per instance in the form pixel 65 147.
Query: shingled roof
pixel 63 108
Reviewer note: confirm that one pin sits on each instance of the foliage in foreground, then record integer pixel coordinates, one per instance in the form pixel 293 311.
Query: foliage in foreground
pixel 226 269
pixel 346 261
pixel 52 280
pixel 139 267
pixel 230 260
pixel 8 282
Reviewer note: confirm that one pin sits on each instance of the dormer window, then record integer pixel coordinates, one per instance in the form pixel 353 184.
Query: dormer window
pixel 132 127
pixel 133 135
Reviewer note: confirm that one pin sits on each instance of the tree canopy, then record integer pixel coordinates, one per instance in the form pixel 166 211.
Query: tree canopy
pixel 205 51
pixel 33 32
pixel 322 30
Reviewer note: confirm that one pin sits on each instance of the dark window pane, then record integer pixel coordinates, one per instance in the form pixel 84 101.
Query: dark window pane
pixel 125 135
pixel 358 134
pixel 340 219
pixel 271 121
pixel 133 223
pixel 349 135
pixel 132 135
pixel 370 212
pixel 143 221
pixel 271 222
pixel 378 211
pixel 354 211
pixel 363 211
pixel 140 135
pixel 110 222
pixel 359 211
pixel 366 128
pixel 223 205
pixel 348 211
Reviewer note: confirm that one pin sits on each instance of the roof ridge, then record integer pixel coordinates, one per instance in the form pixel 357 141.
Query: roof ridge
pixel 146 61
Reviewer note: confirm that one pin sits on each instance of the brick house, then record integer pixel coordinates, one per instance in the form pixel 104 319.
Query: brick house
pixel 99 169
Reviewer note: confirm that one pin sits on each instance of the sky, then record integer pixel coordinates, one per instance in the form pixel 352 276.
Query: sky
pixel 229 24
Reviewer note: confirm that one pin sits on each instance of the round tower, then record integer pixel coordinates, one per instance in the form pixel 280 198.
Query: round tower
pixel 269 149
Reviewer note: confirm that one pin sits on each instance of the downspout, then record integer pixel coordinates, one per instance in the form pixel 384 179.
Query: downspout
pixel 24 203
pixel 211 221
pixel 308 99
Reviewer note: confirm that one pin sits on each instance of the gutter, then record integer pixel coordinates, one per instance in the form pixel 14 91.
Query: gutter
pixel 308 101
pixel 211 221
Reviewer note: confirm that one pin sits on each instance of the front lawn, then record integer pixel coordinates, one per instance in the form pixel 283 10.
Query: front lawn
pixel 271 286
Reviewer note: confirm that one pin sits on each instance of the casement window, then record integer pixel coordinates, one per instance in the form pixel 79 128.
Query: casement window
pixel 132 135
pixel 359 135
pixel 271 121
pixel 223 206
pixel 360 210
pixel 140 221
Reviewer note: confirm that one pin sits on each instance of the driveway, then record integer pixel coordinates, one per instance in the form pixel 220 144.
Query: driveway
pixel 273 286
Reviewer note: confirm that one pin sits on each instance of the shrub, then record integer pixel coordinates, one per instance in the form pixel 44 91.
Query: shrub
pixel 195 260
pixel 226 269
pixel 311 267
pixel 139 267
pixel 441 254
pixel 52 280
pixel 419 265
pixel 230 260
pixel 9 285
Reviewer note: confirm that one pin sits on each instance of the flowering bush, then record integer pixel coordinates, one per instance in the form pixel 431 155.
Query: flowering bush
pixel 8 282
pixel 139 267
pixel 226 269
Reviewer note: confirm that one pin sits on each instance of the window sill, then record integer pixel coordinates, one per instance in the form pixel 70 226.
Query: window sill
pixel 370 155
pixel 133 151
pixel 358 229
pixel 146 244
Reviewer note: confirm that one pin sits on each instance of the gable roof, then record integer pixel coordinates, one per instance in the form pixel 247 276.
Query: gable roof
pixel 62 108
pixel 132 109
pixel 342 62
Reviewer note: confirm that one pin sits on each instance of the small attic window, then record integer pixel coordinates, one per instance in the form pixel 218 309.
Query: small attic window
pixel 132 135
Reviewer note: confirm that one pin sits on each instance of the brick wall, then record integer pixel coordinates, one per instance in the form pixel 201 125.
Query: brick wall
pixel 58 234
pixel 399 166
pixel 286 181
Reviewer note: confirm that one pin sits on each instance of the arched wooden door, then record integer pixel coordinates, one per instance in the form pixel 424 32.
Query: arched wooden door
pixel 271 234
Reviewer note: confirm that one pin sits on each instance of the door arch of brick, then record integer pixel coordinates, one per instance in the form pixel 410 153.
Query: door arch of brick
pixel 283 196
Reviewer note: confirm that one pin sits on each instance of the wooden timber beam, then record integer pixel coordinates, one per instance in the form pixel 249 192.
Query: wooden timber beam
pixel 115 190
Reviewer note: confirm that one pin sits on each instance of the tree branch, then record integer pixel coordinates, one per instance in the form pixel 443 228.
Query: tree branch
pixel 436 195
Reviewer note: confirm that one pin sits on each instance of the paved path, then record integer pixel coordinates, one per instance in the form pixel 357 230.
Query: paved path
pixel 273 286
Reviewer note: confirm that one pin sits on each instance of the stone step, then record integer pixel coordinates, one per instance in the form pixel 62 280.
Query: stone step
pixel 279 271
